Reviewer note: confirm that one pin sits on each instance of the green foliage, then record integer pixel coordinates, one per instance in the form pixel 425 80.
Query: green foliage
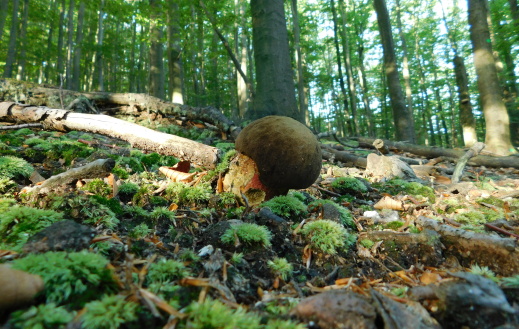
pixel 142 197
pixel 394 225
pixel 225 147
pixel 120 172
pixel 367 243
pixel 247 233
pixel 483 271
pixel 237 257
pixel 222 166
pixel 130 164
pixel 183 194
pixel 396 186
pixel 112 204
pixel 162 213
pixel 74 278
pixel 471 217
pixel 188 255
pixel 110 312
pixel 140 231
pixel 12 167
pixel 281 267
pixel 510 282
pixel 286 206
pixel 215 314
pixel 7 186
pixel 326 236
pixel 23 132
pixel 68 150
pixel 44 316
pixel 167 270
pixel 99 187
pixel 18 223
pixel 349 185
pixel 344 214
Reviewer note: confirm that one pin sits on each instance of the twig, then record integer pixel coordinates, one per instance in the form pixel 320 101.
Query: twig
pixel 500 230
pixel 23 125
pixel 472 152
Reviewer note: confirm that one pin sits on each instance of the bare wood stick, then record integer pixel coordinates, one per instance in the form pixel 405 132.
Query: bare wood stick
pixel 462 162
pixel 140 137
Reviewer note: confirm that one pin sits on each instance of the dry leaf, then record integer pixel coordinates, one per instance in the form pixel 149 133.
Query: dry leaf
pixel 389 203
pixel 429 277
pixel 17 288
pixel 183 166
pixel 112 181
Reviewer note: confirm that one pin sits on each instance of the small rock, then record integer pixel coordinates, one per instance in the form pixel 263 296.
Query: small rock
pixel 65 235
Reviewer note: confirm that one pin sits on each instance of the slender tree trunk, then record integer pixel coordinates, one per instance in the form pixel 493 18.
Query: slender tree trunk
pixel 241 51
pixel 344 94
pixel 70 44
pixel 23 42
pixel 174 51
pixel 275 92
pixel 405 60
pixel 497 135
pixel 365 91
pixel 156 81
pixel 48 58
pixel 61 37
pixel 76 71
pixel 301 92
pixel 467 120
pixel 132 74
pixel 11 50
pixel 4 4
pixel 402 117
pixel 99 66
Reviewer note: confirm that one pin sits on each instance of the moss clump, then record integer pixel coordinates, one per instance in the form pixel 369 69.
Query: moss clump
pixel 327 236
pixel 349 185
pixel 74 278
pixel 510 282
pixel 471 217
pixel 140 231
pixel 68 151
pixel 165 272
pixel 367 243
pixel 394 225
pixel 41 316
pixel 248 234
pixel 18 223
pixel 286 206
pixel 181 193
pixel 344 214
pixel 99 187
pixel 396 186
pixel 484 271
pixel 162 213
pixel 281 267
pixel 110 312
pixel 12 167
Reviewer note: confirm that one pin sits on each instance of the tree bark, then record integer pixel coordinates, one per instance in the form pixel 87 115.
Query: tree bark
pixel 11 50
pixel 99 74
pixel 275 92
pixel 70 45
pixel 23 42
pixel 156 81
pixel 4 4
pixel 497 135
pixel 138 136
pixel 467 120
pixel 402 117
pixel 76 67
pixel 61 37
pixel 301 92
pixel 174 57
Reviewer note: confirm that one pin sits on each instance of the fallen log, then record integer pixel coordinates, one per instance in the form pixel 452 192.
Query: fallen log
pixel 138 136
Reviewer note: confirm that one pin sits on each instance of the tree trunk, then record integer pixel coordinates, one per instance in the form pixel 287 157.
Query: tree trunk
pixel 402 117
pixel 174 51
pixel 61 37
pixel 301 92
pixel 467 120
pixel 497 136
pixel 344 94
pixel 4 4
pixel 365 91
pixel 48 58
pixel 76 67
pixel 11 50
pixel 99 74
pixel 156 81
pixel 275 92
pixel 23 42
pixel 405 61
pixel 241 50
pixel 70 44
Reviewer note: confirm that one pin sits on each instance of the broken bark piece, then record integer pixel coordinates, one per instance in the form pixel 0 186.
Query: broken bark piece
pixel 380 167
pixel 276 154
pixel 501 255
pixel 337 309
pixel 17 288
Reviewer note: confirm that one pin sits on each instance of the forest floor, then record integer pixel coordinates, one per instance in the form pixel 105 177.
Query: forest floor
pixel 137 249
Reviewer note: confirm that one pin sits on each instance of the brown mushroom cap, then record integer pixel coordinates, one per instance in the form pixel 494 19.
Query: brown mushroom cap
pixel 285 151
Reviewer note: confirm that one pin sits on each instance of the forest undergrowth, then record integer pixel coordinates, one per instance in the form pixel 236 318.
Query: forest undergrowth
pixel 158 244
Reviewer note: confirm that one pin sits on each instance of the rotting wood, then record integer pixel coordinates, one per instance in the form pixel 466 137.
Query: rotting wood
pixel 30 93
pixel 138 136
pixel 433 152
pixel 499 254
pixel 96 169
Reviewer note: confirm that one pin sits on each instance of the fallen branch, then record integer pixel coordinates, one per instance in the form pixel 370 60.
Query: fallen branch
pixel 140 137
pixel 462 162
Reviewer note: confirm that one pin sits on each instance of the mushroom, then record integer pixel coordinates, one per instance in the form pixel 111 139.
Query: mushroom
pixel 275 154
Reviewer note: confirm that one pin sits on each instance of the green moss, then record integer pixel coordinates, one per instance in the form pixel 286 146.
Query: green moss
pixel 112 203
pixel 128 189
pixel 110 312
pixel 367 243
pixel 99 187
pixel 167 271
pixel 344 214
pixel 7 187
pixel 120 172
pixel 510 282
pixel 67 151
pixel 477 217
pixel 396 186
pixel 483 271
pixel 12 167
pixel 286 206
pixel 236 258
pixel 183 194
pixel 394 225
pixel 74 278
pixel 151 160
pixel 140 231
pixel 281 267
pixel 349 185
pixel 221 167
pixel 326 236
pixel 248 234
pixel 162 213
pixel 18 223
pixel 42 316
